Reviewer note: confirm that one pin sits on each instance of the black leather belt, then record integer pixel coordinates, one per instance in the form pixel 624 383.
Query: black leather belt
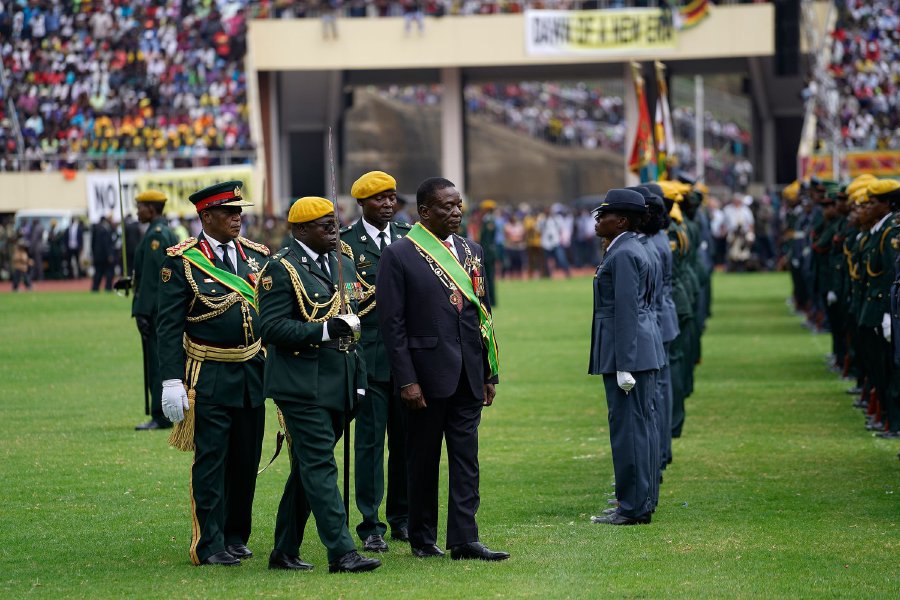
pixel 344 344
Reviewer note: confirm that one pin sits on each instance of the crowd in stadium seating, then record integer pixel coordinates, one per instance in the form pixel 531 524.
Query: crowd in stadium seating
pixel 155 84
pixel 865 64
pixel 288 9
pixel 569 115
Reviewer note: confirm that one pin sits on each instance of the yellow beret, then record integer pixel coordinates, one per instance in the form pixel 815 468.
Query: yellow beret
pixel 791 191
pixel 676 213
pixel 881 187
pixel 150 196
pixel 488 204
pixel 860 183
pixel 674 190
pixel 372 183
pixel 859 196
pixel 309 208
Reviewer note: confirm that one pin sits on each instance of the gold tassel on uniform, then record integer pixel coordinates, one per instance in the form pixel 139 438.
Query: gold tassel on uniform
pixel 182 436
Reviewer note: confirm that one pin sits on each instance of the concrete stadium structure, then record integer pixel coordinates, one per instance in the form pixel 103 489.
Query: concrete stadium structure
pixel 304 85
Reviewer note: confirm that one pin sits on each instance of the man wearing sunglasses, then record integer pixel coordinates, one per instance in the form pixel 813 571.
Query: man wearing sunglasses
pixel 314 372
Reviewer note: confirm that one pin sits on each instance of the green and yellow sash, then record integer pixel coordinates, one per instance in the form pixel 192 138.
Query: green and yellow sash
pixel 226 278
pixel 433 247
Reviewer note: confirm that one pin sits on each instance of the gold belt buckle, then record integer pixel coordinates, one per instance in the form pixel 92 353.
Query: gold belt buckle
pixel 344 343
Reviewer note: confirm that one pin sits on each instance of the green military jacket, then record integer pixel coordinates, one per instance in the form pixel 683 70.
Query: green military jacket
pixel 295 299
pixel 148 260
pixel 854 266
pixel 839 276
pixel 877 272
pixel 822 242
pixel 194 302
pixel 683 292
pixel 364 253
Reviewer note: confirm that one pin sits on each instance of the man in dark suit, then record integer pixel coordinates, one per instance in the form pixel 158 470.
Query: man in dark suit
pixel 103 253
pixel 211 367
pixel 437 327
pixel 314 373
pixel 625 349
pixel 381 411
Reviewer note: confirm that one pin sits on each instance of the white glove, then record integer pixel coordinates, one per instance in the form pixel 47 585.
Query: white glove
pixel 174 400
pixel 830 298
pixel 886 326
pixel 625 380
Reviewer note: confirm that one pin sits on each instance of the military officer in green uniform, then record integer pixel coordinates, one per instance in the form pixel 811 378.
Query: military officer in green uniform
pixel 148 260
pixel 211 364
pixel 381 411
pixel 887 191
pixel 876 273
pixel 314 372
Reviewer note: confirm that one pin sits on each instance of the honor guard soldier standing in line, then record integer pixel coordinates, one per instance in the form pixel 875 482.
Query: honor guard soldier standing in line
pixel 148 260
pixel 655 229
pixel 625 349
pixel 381 410
pixel 212 368
pixel 314 372
pixel 876 275
pixel 435 318
pixel 891 191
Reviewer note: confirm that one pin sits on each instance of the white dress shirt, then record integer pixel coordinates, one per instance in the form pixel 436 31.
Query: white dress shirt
pixel 220 251
pixel 373 232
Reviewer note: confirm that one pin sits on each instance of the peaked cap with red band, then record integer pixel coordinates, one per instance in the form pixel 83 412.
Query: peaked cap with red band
pixel 227 193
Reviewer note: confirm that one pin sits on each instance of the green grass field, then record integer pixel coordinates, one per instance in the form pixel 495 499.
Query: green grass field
pixel 776 489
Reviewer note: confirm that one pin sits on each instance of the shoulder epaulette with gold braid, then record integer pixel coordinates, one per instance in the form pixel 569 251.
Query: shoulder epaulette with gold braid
pixel 261 248
pixel 884 235
pixel 178 249
pixel 346 250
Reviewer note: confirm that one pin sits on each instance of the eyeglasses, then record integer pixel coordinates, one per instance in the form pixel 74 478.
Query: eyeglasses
pixel 327 226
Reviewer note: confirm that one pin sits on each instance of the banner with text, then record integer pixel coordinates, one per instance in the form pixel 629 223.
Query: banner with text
pixel 563 32
pixel 880 163
pixel 177 185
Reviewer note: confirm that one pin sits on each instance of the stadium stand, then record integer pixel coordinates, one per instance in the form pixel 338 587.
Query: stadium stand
pixel 865 64
pixel 146 84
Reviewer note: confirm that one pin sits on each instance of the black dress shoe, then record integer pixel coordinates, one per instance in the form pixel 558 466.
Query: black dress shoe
pixel 618 518
pixel 286 562
pixel 221 558
pixel 401 534
pixel 426 551
pixel 353 562
pixel 150 425
pixel 239 551
pixel 476 550
pixel 375 543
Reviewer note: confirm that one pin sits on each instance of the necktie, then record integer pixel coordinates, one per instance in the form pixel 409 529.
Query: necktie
pixel 449 246
pixel 382 240
pixel 227 259
pixel 323 264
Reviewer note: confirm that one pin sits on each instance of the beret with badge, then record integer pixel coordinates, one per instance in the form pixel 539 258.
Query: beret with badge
pixel 371 183
pixel 309 208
